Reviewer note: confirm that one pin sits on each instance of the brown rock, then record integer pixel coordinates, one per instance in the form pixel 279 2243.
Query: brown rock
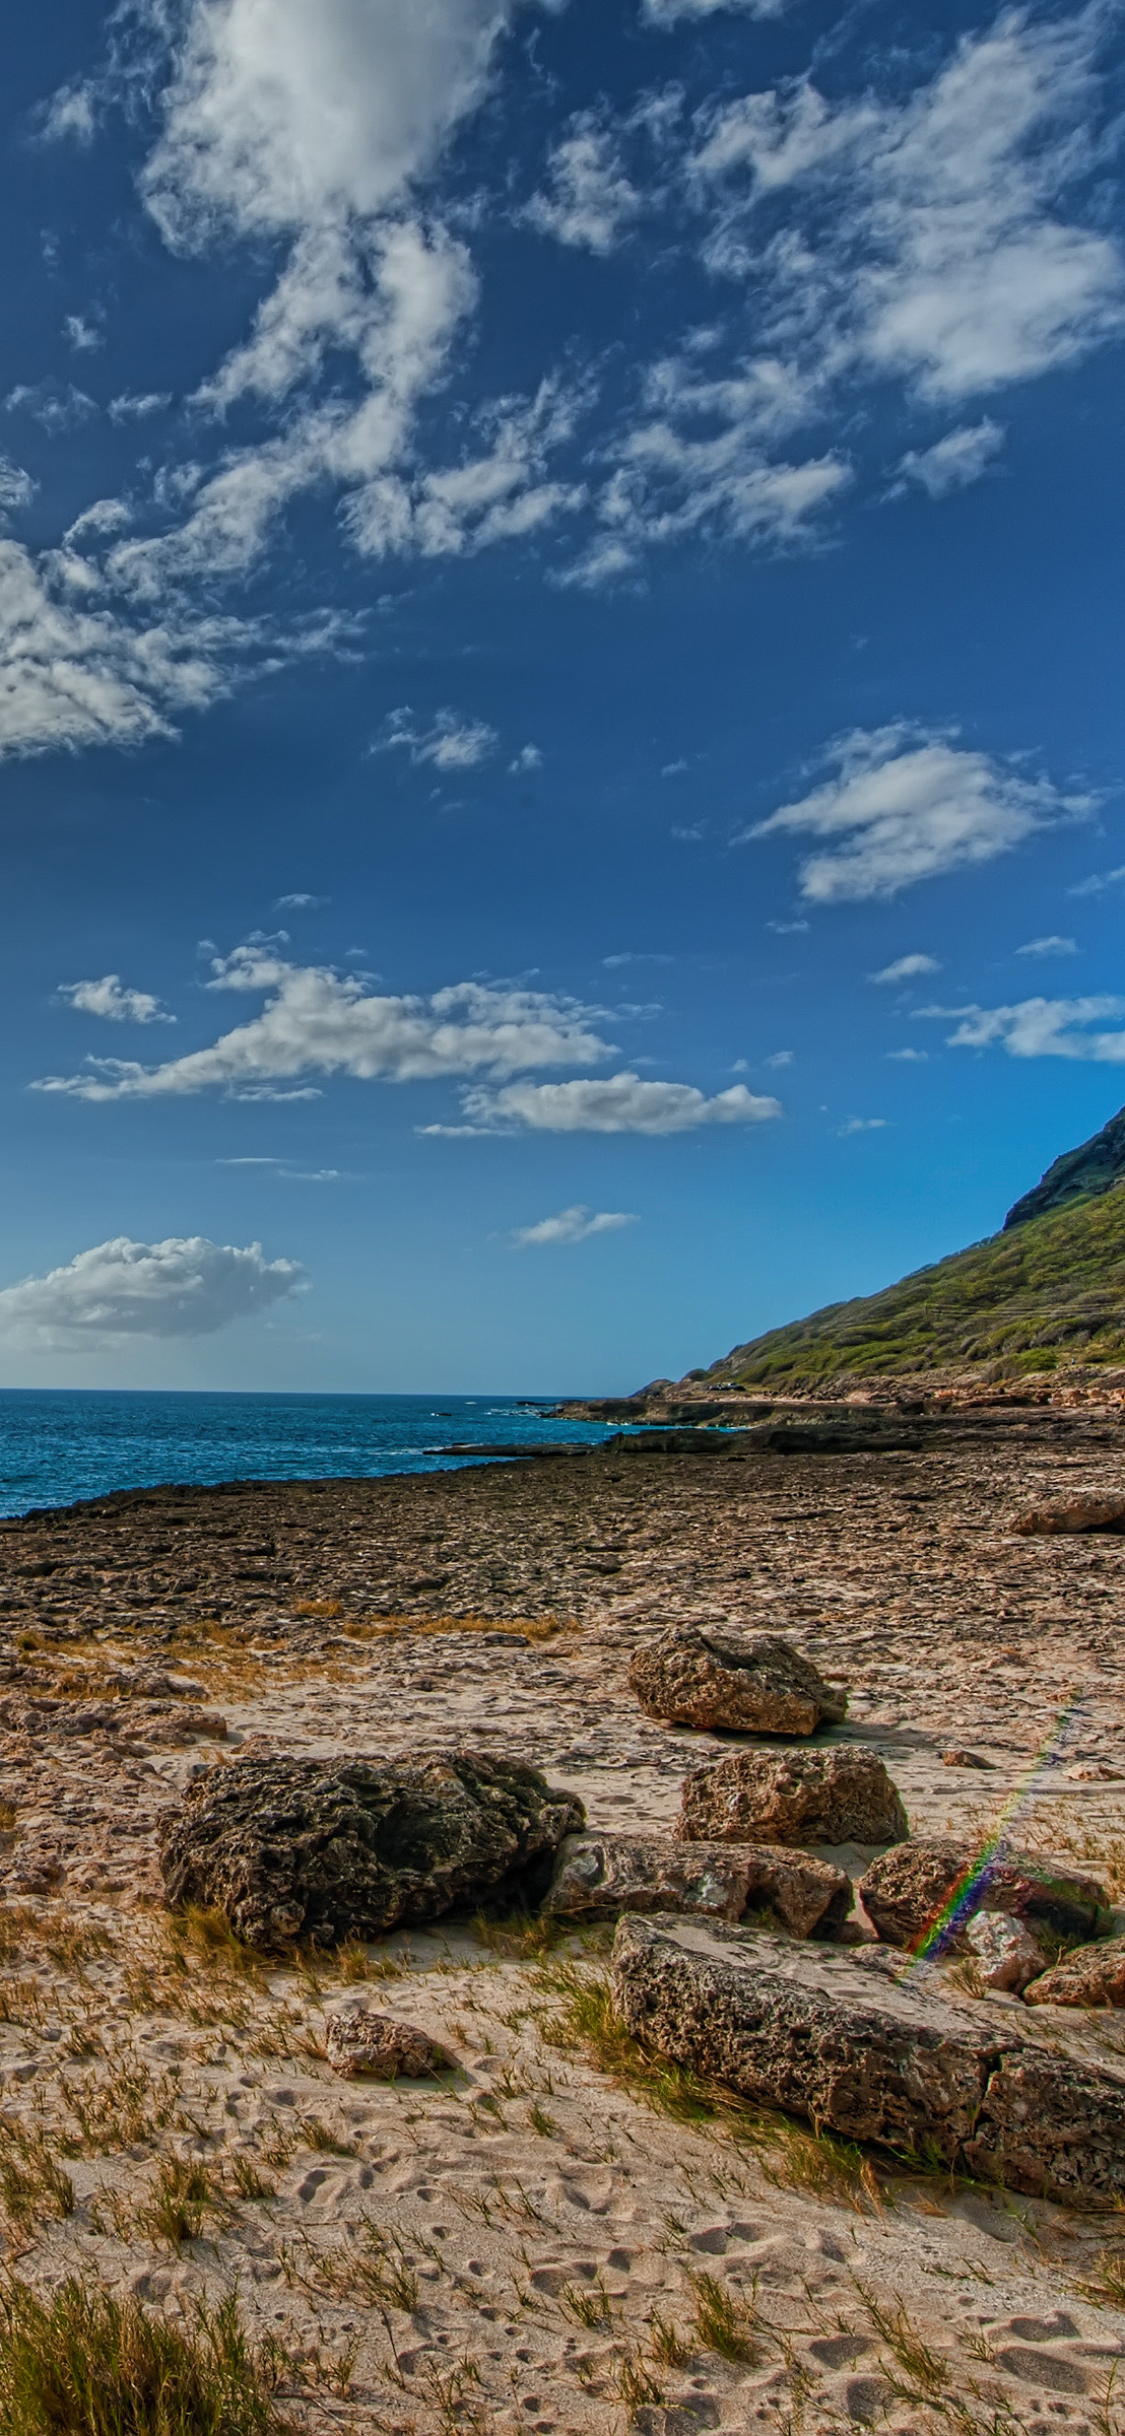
pixel 1073 1514
pixel 839 1795
pixel 599 1873
pixel 359 2039
pixel 957 1758
pixel 1005 1952
pixel 822 2033
pixel 905 1890
pixel 326 1849
pixel 1092 1975
pixel 712 1676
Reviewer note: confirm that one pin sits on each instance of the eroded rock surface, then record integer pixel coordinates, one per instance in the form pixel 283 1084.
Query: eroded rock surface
pixel 289 1848
pixel 1005 1952
pixel 1092 1975
pixel 358 2040
pixel 600 1874
pixel 821 2033
pixel 839 1795
pixel 1072 1514
pixel 713 1676
pixel 906 1889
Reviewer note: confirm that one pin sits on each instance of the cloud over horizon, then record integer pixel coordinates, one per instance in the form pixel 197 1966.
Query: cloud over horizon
pixel 185 1286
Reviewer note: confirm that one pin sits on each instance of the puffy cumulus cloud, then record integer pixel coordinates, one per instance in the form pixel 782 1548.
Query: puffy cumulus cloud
pixel 622 1103
pixel 906 968
pixel 109 998
pixel 317 1023
pixel 589 201
pixel 449 742
pixel 906 811
pixel 1041 1027
pixel 955 461
pixel 185 1286
pixel 571 1226
pixel 923 237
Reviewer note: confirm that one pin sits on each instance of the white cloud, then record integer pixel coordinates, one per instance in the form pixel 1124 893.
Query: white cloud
pixel 83 336
pixel 1052 946
pixel 300 901
pixel 909 1057
pixel 589 201
pixel 572 1226
pixel 781 1057
pixel 16 486
pixel 57 406
pixel 110 999
pixel 620 1104
pixel 1040 1027
pixel 906 968
pixel 136 407
pixel 923 237
pixel 449 742
pixel 669 12
pixel 909 811
pixel 529 757
pixel 185 1286
pixel 862 1125
pixel 1098 882
pixel 955 461
pixel 319 1023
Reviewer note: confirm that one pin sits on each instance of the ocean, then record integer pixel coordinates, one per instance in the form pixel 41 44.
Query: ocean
pixel 59 1445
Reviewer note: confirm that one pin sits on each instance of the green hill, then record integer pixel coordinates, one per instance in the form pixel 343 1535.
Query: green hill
pixel 1049 1289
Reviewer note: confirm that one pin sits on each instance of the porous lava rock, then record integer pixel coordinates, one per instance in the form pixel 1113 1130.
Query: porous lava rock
pixel 1091 1975
pixel 1072 1514
pixel 839 1794
pixel 1005 1952
pixel 616 1873
pixel 326 1849
pixel 906 1889
pixel 826 2033
pixel 360 2040
pixel 713 1676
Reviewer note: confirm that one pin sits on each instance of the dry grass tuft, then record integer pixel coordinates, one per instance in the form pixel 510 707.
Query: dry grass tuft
pixel 84 2364
pixel 722 2325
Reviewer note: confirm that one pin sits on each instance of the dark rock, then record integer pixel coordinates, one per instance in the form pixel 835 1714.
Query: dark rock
pixel 906 1889
pixel 814 2030
pixel 325 1849
pixel 712 1676
pixel 839 1795
pixel 600 1874
pixel 1079 1174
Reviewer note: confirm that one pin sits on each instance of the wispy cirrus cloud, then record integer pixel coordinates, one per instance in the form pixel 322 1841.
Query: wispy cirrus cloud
pixel 588 200
pixel 448 742
pixel 573 1225
pixel 956 460
pixel 905 806
pixel 185 1286
pixel 906 968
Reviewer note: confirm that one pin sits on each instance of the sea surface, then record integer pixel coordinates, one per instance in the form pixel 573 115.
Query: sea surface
pixel 61 1445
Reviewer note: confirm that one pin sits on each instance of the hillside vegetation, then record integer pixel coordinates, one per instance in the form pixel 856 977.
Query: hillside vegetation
pixel 1048 1291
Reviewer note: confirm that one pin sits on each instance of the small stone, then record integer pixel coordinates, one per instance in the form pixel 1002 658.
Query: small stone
pixel 611 1873
pixel 1006 1953
pixel 841 1795
pixel 712 1676
pixel 360 2040
pixel 1072 1514
pixel 957 1758
pixel 1092 1975
pixel 906 1890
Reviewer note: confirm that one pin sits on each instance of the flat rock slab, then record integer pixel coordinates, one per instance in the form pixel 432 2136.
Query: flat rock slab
pixel 906 1891
pixel 602 1873
pixel 327 1849
pixel 713 1676
pixel 1072 1514
pixel 819 2032
pixel 839 1795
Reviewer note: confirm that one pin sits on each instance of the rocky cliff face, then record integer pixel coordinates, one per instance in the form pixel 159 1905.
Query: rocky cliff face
pixel 1092 1168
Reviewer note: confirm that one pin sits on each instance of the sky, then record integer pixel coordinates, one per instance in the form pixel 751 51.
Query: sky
pixel 560 710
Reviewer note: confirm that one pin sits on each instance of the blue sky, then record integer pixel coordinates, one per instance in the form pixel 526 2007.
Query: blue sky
pixel 560 721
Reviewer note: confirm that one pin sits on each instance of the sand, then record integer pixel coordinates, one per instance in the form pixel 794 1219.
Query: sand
pixel 526 2242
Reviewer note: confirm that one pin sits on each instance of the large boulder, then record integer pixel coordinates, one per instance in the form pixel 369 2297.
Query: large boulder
pixel 906 1891
pixel 1092 1975
pixel 837 1795
pixel 615 1873
pixel 713 1676
pixel 326 1849
pixel 825 2032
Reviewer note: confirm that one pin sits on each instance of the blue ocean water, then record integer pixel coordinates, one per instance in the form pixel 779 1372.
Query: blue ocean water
pixel 61 1445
